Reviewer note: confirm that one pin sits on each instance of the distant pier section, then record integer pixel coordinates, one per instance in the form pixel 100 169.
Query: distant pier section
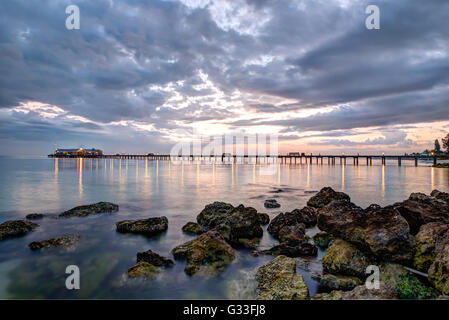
pixel 292 158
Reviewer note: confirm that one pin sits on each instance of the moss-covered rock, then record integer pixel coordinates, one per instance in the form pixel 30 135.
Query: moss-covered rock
pixel 425 244
pixel 194 228
pixel 406 284
pixel 154 259
pixel 34 216
pixel 322 239
pixel 278 280
pixel 385 292
pixel 207 255
pixel 143 270
pixel 16 228
pixel 343 258
pixel 65 241
pixel 344 283
pixel 87 210
pixel 439 270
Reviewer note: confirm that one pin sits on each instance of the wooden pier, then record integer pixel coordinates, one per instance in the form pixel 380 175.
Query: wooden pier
pixel 292 159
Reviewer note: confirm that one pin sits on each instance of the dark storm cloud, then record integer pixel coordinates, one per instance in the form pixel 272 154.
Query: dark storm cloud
pixel 131 57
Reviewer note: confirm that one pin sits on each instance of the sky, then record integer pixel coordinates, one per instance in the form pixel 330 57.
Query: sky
pixel 139 76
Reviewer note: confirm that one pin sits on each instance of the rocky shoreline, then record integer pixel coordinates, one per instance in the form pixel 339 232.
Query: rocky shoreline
pixel 408 242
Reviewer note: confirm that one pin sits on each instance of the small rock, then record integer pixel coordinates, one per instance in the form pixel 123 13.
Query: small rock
pixel 264 218
pixel 16 228
pixel 322 239
pixel 305 216
pixel 194 228
pixel 66 241
pixel 154 259
pixel 96 208
pixel 325 196
pixel 304 249
pixel 143 270
pixel 271 203
pixel 206 255
pixel 215 214
pixel 278 280
pixel 149 227
pixel 344 283
pixel 34 216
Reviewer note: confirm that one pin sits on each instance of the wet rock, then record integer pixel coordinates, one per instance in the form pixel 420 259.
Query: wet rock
pixel 66 241
pixel 425 244
pixel 304 249
pixel 292 235
pixel 322 239
pixel 381 232
pixel 215 214
pixel 264 218
pixel 406 284
pixel 421 209
pixel 271 204
pixel 247 243
pixel 154 259
pixel 143 270
pixel 440 195
pixel 325 196
pixel 343 258
pixel 307 216
pixel 34 216
pixel 344 283
pixel 278 280
pixel 207 255
pixel 385 292
pixel 16 228
pixel 194 228
pixel 439 270
pixel 149 227
pixel 96 208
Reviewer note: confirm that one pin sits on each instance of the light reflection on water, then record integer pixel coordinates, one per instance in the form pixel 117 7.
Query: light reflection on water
pixel 146 188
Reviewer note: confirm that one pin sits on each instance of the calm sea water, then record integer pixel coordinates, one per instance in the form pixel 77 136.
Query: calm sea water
pixel 155 188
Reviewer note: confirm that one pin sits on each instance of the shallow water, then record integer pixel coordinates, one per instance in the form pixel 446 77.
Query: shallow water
pixel 154 188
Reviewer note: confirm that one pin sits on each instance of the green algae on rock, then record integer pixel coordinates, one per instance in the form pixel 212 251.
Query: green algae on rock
pixel 206 255
pixel 143 270
pixel 278 280
pixel 65 241
pixel 194 228
pixel 149 227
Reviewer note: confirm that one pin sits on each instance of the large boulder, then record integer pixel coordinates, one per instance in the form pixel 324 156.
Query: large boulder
pixel 194 228
pixel 96 208
pixel 439 270
pixel 385 292
pixel 278 280
pixel 381 232
pixel 65 241
pixel 343 258
pixel 421 209
pixel 325 196
pixel 425 244
pixel 16 228
pixel 306 216
pixel 206 255
pixel 154 259
pixel 149 227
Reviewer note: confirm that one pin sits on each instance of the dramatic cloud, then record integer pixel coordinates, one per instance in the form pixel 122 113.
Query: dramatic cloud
pixel 139 72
